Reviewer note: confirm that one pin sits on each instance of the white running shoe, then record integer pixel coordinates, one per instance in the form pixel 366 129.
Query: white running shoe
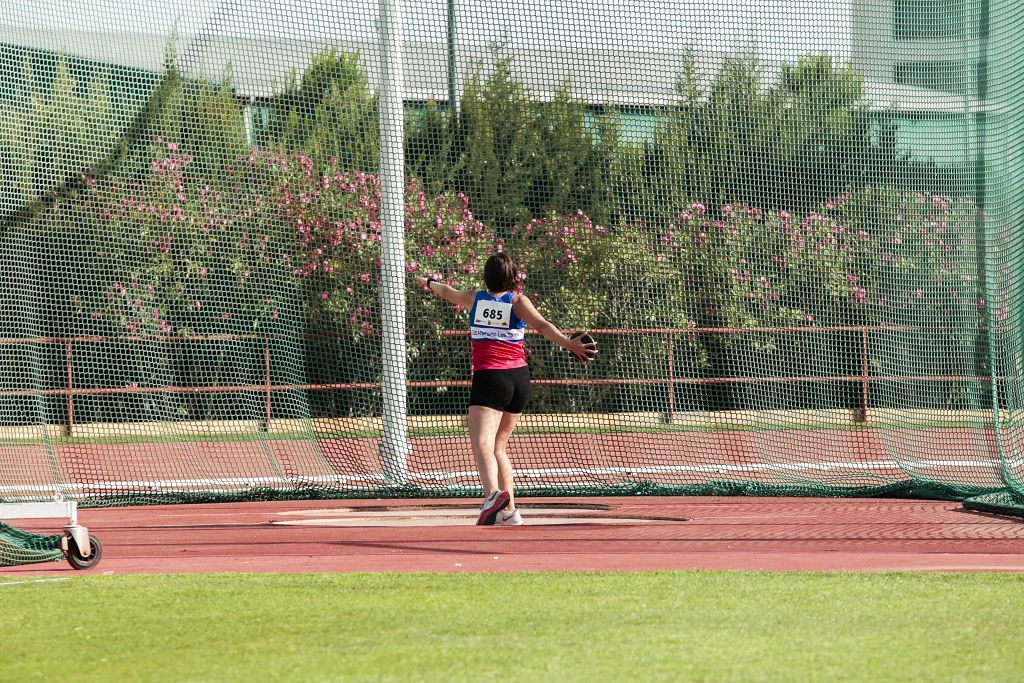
pixel 506 518
pixel 493 504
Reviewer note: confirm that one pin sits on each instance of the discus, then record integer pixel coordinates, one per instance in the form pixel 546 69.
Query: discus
pixel 586 339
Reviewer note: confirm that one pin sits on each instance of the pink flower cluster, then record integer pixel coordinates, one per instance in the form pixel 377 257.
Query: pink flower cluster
pixel 561 239
pixel 864 249
pixel 133 307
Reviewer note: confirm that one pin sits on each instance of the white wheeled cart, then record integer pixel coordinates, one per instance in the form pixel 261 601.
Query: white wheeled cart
pixel 82 549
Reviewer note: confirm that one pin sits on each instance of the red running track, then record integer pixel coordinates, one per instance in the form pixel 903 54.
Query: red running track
pixel 626 534
pixel 830 457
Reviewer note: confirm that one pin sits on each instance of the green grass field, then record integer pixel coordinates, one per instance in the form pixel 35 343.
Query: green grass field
pixel 662 626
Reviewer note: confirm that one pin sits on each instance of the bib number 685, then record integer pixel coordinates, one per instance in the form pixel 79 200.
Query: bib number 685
pixel 493 314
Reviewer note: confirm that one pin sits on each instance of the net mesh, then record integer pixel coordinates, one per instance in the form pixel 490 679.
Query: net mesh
pixel 22 547
pixel 792 227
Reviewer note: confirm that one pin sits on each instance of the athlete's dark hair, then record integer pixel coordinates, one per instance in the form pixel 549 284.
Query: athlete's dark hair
pixel 500 273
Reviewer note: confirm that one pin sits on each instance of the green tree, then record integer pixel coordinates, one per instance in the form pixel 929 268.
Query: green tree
pixel 679 164
pixel 738 123
pixel 824 138
pixel 573 171
pixel 53 127
pixel 431 152
pixel 211 128
pixel 789 143
pixel 330 113
pixel 502 152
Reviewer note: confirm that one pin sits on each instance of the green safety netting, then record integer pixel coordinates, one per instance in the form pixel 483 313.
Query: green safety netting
pixel 22 547
pixel 793 228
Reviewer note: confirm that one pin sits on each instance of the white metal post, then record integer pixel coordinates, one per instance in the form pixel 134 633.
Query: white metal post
pixel 395 447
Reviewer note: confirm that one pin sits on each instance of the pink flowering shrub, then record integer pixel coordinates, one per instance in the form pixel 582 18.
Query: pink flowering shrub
pixel 871 258
pixel 916 259
pixel 585 276
pixel 564 263
pixel 445 241
pixel 287 246
pixel 283 226
pixel 333 217
pixel 336 218
pixel 192 259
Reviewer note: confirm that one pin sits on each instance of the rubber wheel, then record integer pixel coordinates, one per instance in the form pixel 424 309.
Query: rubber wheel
pixel 77 560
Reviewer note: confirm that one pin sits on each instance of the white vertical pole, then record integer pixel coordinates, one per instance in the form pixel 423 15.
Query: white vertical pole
pixel 395 447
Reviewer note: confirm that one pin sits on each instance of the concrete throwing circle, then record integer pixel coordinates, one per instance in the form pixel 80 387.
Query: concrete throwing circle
pixel 548 514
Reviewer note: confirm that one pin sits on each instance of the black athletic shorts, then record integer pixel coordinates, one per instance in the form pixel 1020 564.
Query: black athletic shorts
pixel 505 390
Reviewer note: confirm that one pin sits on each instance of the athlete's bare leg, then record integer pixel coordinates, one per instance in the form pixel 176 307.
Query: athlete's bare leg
pixel 483 429
pixel 505 475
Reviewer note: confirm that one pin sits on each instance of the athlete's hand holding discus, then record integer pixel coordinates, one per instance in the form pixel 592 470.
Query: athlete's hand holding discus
pixel 583 347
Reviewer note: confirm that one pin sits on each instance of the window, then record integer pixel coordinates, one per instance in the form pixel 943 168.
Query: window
pixel 929 19
pixel 955 76
pixel 943 139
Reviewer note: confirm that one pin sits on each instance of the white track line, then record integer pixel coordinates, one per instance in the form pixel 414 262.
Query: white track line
pixel 719 469
pixel 15 583
pixel 248 482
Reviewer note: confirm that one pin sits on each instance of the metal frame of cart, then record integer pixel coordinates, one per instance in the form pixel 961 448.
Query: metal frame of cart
pixel 82 549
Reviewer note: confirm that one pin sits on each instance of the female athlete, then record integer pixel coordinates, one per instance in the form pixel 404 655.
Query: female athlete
pixel 501 376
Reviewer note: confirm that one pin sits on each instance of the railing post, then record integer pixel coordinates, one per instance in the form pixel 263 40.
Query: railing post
pixel 671 380
pixel 861 414
pixel 69 420
pixel 266 384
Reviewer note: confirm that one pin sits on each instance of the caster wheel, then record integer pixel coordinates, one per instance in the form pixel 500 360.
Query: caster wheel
pixel 79 561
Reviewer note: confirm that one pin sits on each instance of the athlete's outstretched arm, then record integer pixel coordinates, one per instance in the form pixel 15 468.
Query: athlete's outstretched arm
pixel 456 296
pixel 525 309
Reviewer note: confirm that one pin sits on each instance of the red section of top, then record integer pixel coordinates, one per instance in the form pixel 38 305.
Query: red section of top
pixel 498 355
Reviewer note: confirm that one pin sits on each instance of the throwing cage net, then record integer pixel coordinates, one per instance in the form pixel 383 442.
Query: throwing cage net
pixel 794 229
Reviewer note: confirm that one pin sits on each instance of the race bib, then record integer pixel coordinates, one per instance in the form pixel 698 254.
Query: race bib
pixel 493 314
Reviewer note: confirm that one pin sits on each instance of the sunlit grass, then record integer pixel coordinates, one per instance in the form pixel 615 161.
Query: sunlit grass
pixel 664 626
